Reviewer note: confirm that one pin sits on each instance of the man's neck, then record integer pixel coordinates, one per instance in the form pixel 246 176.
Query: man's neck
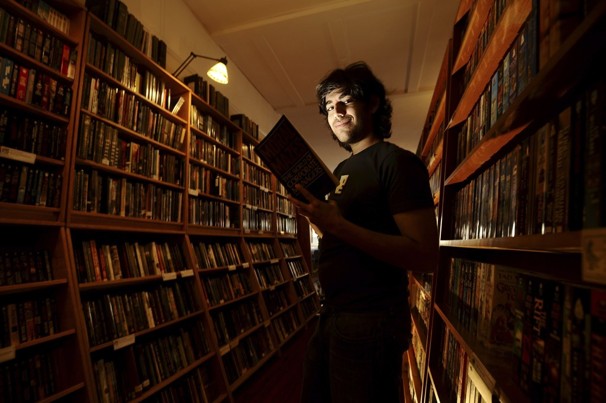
pixel 364 144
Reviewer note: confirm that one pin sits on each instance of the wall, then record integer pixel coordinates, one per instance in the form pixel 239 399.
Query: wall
pixel 173 22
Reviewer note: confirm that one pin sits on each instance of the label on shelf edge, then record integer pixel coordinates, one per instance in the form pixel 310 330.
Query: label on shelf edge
pixel 169 276
pixel 224 350
pixel 17 155
pixel 7 353
pixel 274 261
pixel 245 265
pixel 187 273
pixel 124 341
pixel 593 251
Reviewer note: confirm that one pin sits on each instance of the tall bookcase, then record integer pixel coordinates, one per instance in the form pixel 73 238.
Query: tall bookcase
pixel 518 298
pixel 40 353
pixel 146 253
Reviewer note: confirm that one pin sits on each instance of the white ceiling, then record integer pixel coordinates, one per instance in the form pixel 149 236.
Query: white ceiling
pixel 285 47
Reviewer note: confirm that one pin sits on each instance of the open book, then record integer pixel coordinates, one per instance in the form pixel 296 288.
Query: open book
pixel 292 160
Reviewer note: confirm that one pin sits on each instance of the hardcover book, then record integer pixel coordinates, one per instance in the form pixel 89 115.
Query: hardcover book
pixel 292 160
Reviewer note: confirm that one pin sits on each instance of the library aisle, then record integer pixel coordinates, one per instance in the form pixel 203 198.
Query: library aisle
pixel 280 380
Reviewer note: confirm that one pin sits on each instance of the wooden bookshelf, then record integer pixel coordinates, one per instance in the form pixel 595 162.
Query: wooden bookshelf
pixel 505 253
pixel 143 183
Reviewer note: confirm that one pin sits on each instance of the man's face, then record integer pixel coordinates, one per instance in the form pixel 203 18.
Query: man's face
pixel 349 119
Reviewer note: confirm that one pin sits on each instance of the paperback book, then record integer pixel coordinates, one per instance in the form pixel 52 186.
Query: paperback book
pixel 292 160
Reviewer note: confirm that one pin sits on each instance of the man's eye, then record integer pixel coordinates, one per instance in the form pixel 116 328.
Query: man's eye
pixel 329 108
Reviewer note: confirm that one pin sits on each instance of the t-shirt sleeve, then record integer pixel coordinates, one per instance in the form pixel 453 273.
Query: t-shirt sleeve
pixel 406 182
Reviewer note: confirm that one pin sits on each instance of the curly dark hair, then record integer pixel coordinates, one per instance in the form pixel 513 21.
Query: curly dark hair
pixel 358 81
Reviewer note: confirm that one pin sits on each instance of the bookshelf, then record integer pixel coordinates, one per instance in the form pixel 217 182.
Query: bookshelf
pixel 515 314
pixel 40 353
pixel 133 201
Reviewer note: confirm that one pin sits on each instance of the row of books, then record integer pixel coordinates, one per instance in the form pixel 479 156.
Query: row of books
pixel 248 152
pixel 213 155
pixel 286 324
pixel 480 298
pixel 256 175
pixel 420 353
pixel 32 135
pixel 284 206
pixel 254 219
pixel 126 109
pixel 268 274
pixel 30 378
pixel 246 124
pixel 257 197
pixel 551 182
pixel 276 299
pixel 289 249
pixel 28 320
pixel 101 260
pixel 194 387
pixel 557 20
pixel 212 127
pixel 551 334
pixel 514 72
pixel 310 307
pixel 261 250
pixel 48 13
pixel 303 287
pixel 494 17
pixel 220 289
pixel 199 86
pixel 116 15
pixel 112 316
pixel 34 87
pixel 100 142
pixel 203 181
pixel 218 254
pixel 295 266
pixel 34 42
pixel 96 191
pixel 286 225
pixel 22 265
pixel 235 320
pixel 247 354
pixel 420 302
pixel 213 213
pixel 24 184
pixel 133 370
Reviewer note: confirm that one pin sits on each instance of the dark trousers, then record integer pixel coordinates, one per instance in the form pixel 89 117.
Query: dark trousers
pixel 356 358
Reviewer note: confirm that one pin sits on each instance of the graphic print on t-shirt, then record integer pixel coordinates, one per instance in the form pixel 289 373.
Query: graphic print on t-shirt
pixel 342 183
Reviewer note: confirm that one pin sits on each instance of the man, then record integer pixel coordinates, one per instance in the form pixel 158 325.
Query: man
pixel 377 224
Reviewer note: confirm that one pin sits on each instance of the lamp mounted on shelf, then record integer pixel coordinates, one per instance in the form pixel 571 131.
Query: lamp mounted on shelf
pixel 218 72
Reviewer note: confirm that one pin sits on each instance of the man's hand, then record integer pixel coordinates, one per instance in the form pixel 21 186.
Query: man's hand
pixel 325 216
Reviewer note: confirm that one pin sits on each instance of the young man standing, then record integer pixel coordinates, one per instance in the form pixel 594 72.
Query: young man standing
pixel 377 224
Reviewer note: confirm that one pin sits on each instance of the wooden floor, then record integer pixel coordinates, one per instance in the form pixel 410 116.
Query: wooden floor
pixel 279 381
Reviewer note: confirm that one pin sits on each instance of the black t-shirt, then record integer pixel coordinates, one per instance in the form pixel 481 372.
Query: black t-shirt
pixel 375 184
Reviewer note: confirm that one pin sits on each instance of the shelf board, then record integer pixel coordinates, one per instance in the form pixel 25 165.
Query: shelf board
pixel 82 220
pixel 30 287
pixel 564 242
pixel 482 154
pixel 14 213
pixel 437 159
pixel 464 7
pixel 414 370
pixel 478 17
pixel 506 30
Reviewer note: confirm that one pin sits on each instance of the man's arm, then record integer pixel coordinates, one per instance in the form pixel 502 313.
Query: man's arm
pixel 416 248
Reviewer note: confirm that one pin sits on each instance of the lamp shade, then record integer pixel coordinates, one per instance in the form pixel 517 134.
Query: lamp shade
pixel 218 73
